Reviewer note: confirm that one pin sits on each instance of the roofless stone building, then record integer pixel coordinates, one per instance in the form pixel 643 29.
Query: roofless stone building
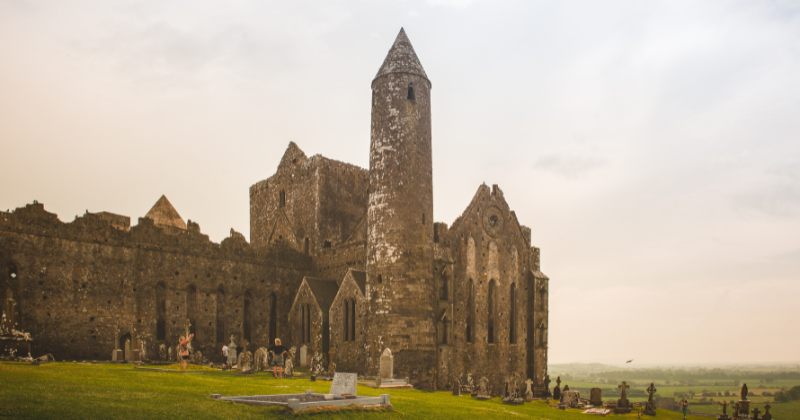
pixel 344 260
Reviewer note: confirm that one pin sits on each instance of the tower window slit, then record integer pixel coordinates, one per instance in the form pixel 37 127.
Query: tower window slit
pixel 411 92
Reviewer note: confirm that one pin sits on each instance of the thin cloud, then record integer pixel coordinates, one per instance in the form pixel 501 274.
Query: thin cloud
pixel 569 166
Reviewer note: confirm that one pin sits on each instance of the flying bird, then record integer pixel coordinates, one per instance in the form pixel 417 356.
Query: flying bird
pixel 629 361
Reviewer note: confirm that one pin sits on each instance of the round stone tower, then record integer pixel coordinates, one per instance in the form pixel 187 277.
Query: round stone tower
pixel 400 289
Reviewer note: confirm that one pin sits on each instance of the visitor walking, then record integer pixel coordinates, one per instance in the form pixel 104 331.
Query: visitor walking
pixel 685 407
pixel 277 351
pixel 185 349
pixel 225 351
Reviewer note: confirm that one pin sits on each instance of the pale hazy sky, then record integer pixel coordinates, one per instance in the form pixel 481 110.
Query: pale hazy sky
pixel 652 147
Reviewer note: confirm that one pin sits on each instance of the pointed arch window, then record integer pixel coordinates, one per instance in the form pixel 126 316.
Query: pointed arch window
pixel 352 320
pixel 346 321
pixel 491 307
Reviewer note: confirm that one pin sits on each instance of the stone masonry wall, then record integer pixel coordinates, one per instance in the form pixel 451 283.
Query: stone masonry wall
pixel 78 281
pixel 349 355
pixel 487 245
pixel 323 200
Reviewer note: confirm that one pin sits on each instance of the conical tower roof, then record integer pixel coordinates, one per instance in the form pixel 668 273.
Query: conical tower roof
pixel 163 214
pixel 402 58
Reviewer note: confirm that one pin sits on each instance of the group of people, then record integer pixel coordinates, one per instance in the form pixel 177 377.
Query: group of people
pixel 277 351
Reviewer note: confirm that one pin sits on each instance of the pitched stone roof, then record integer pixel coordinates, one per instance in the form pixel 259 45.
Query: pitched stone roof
pixel 163 214
pixel 324 292
pixel 401 58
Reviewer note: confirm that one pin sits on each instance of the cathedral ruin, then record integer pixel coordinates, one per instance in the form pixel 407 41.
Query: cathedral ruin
pixel 344 260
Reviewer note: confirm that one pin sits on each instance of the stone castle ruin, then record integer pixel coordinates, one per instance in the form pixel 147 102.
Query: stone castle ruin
pixel 344 261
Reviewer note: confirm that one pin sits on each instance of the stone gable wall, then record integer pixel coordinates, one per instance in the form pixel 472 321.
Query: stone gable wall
pixel 317 321
pixel 324 200
pixel 492 257
pixel 348 355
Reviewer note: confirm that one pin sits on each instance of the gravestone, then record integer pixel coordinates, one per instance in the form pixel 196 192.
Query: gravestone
pixel 303 356
pixel 557 389
pixel 457 388
pixel 724 415
pixel 128 355
pixel 571 399
pixel 162 352
pixel 755 414
pixel 116 355
pixel 744 403
pixel 387 364
pixel 623 405
pixel 483 389
pixel 232 356
pixel 288 368
pixel 529 391
pixel 344 383
pixel 650 407
pixel 767 415
pixel 596 397
pixel 135 345
pixel 261 360
pixel 547 381
pixel 169 355
pixel 197 358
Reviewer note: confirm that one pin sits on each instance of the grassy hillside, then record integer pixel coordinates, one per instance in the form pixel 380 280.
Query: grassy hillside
pixel 74 390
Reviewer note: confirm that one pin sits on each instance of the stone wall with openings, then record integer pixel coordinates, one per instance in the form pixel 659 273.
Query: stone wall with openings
pixel 489 325
pixel 77 282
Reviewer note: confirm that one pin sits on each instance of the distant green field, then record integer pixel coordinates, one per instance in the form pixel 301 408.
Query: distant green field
pixel 109 391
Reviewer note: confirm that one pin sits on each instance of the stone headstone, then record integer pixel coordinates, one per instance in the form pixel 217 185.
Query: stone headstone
pixel 128 354
pixel 232 356
pixel 650 407
pixel 529 391
pixel 344 383
pixel 288 368
pixel 571 399
pixel 169 355
pixel 767 415
pixel 197 357
pixel 162 352
pixel 387 364
pixel 596 397
pixel 557 389
pixel 623 405
pixel 483 389
pixel 303 356
pixel 457 388
pixel 116 355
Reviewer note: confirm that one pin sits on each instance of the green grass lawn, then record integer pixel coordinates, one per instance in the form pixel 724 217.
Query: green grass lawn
pixel 79 391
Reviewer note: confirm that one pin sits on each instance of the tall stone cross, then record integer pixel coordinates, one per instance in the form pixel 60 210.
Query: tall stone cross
pixel 724 408
pixel 529 383
pixel 755 413
pixel 651 390
pixel 624 387
pixel 767 415
pixel 558 381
